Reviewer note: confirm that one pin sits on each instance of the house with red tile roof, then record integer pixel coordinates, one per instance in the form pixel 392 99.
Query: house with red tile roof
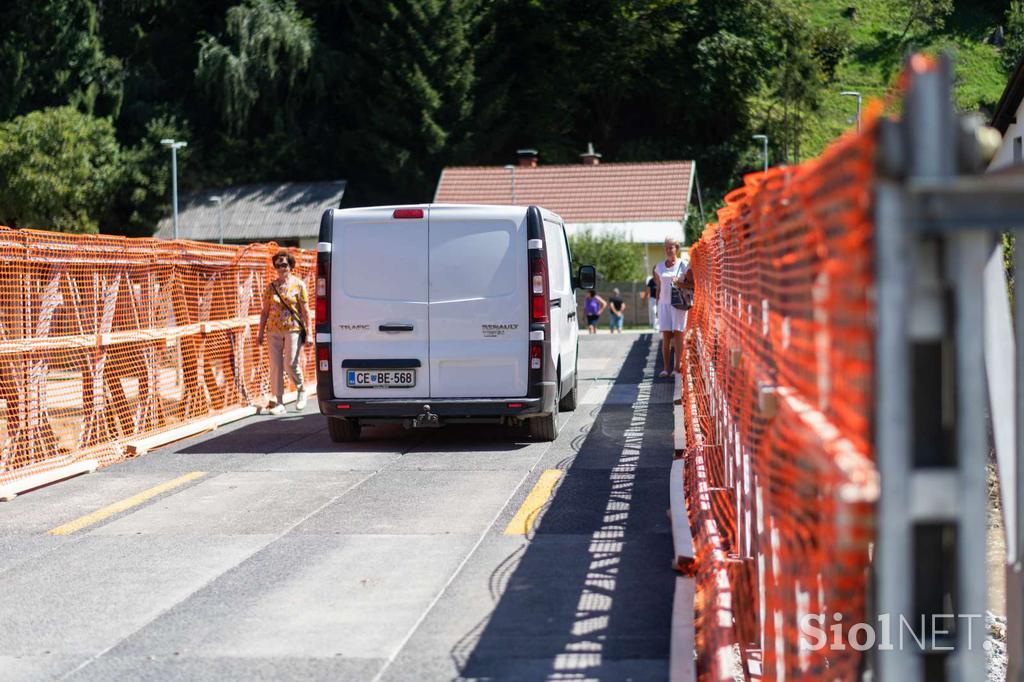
pixel 643 202
pixel 1009 120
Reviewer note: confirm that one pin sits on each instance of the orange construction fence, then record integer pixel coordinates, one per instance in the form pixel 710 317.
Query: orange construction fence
pixel 778 397
pixel 107 340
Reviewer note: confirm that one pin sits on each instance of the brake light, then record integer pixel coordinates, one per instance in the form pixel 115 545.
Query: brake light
pixel 407 213
pixel 538 290
pixel 323 356
pixel 322 277
pixel 536 354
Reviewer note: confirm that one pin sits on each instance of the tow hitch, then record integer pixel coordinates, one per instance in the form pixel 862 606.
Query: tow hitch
pixel 426 419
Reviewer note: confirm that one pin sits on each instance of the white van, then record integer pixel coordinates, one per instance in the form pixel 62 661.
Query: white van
pixel 439 313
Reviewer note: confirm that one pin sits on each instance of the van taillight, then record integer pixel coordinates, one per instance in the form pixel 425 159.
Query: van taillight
pixel 536 354
pixel 538 290
pixel 323 356
pixel 413 213
pixel 321 292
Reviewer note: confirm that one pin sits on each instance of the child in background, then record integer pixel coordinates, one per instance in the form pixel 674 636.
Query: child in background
pixel 592 308
pixel 616 308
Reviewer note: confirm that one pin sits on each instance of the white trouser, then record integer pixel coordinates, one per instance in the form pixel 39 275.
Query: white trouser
pixel 285 351
pixel 652 311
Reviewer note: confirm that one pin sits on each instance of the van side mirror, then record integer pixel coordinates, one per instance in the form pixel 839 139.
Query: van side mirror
pixel 587 277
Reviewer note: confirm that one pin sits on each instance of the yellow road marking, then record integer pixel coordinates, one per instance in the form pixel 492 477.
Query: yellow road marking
pixel 534 502
pixel 127 503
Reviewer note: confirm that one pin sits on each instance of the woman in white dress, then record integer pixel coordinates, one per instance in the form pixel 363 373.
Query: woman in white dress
pixel 671 321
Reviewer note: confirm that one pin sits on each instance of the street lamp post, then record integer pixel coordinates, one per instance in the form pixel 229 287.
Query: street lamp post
pixel 764 139
pixel 174 146
pixel 854 93
pixel 512 169
pixel 219 200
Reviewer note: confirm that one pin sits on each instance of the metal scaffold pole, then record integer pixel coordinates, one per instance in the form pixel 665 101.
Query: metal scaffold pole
pixel 936 225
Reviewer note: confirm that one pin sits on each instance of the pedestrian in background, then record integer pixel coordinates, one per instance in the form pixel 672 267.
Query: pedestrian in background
pixel 283 321
pixel 592 308
pixel 616 307
pixel 650 294
pixel 671 320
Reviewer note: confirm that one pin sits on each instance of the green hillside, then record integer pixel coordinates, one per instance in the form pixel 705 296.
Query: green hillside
pixel 875 57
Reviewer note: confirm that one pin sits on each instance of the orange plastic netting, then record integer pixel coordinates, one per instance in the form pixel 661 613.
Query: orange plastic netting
pixel 106 340
pixel 778 396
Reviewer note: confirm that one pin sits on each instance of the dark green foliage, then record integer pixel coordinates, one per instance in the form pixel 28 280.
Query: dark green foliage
pixel 385 93
pixel 617 260
pixel 912 16
pixel 409 92
pixel 1013 50
pixel 830 45
pixel 142 195
pixel 797 81
pixel 51 54
pixel 59 169
pixel 269 46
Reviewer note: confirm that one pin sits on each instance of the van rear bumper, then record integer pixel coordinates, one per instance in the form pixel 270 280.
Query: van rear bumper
pixel 389 408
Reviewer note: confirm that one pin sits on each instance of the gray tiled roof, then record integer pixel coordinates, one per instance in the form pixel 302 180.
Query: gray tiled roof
pixel 258 213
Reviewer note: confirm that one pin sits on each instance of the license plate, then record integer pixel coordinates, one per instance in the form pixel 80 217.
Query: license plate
pixel 381 378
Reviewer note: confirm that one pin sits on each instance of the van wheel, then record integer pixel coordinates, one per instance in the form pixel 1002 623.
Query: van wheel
pixel 545 428
pixel 343 430
pixel 571 399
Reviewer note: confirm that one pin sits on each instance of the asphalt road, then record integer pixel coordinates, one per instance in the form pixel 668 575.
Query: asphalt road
pixel 284 556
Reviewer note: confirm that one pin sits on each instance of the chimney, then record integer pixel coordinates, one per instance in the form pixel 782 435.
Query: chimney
pixel 527 158
pixel 590 157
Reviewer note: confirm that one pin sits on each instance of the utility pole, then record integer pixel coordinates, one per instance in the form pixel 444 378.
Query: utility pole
pixel 764 139
pixel 174 146
pixel 219 200
pixel 854 93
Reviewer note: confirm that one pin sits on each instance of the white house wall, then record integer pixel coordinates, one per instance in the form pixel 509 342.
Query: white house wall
pixel 641 232
pixel 1004 157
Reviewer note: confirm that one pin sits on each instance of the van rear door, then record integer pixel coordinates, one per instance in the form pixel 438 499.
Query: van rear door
pixel 479 326
pixel 379 315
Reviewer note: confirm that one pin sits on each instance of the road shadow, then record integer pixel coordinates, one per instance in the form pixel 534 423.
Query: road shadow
pixel 590 596
pixel 307 432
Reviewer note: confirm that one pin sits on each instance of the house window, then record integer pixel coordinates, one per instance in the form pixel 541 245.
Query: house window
pixel 1018 149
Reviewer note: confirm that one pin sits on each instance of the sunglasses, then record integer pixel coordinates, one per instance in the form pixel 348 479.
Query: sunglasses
pixel 282 264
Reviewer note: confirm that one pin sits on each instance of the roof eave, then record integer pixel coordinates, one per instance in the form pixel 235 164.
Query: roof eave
pixel 1006 109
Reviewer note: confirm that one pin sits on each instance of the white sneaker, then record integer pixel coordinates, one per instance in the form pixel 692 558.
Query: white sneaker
pixel 300 402
pixel 276 409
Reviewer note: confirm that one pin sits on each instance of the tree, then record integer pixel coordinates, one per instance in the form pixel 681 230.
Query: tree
pixel 409 91
pixel 59 169
pixel 798 83
pixel 914 14
pixel 1013 49
pixel 270 45
pixel 616 259
pixel 804 64
pixel 142 194
pixel 51 54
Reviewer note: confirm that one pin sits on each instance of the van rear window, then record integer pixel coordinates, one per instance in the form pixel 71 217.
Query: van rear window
pixel 386 261
pixel 474 259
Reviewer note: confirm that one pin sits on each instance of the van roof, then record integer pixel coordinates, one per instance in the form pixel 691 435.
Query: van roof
pixel 545 213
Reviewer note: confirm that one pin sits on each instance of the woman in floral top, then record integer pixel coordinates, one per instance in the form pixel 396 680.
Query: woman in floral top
pixel 287 291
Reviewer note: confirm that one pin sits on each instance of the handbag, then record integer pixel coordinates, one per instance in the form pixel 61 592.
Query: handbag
pixel 682 299
pixel 302 325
